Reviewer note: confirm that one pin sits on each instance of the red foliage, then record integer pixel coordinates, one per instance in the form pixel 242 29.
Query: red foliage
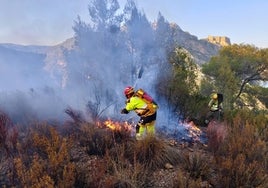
pixel 216 133
pixel 8 134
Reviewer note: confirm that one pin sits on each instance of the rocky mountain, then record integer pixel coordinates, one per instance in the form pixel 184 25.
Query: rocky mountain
pixel 51 59
pixel 19 62
pixel 201 49
pixel 44 71
pixel 220 40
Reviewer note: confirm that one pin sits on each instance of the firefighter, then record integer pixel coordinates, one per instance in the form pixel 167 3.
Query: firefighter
pixel 215 106
pixel 147 114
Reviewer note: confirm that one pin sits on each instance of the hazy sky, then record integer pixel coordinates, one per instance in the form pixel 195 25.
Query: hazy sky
pixel 49 22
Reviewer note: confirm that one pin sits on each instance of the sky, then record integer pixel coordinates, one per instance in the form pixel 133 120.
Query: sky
pixel 50 22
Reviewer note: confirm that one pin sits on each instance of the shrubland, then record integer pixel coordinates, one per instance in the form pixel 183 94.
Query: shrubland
pixel 78 153
pixel 86 155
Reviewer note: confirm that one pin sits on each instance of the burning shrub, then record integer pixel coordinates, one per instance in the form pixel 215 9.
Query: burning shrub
pixel 99 137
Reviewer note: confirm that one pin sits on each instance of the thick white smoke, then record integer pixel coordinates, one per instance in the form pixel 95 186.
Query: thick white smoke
pixel 105 58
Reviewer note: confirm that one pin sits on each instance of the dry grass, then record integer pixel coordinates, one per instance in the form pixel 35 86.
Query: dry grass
pixel 216 134
pixel 197 165
pixel 48 164
pixel 185 181
pixel 241 158
pixel 8 136
pixel 87 155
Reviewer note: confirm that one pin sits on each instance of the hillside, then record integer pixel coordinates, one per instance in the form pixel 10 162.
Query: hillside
pixel 60 120
pixel 59 68
pixel 82 154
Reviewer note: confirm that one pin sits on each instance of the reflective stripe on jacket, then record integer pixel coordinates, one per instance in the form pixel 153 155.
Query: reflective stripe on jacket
pixel 213 105
pixel 139 106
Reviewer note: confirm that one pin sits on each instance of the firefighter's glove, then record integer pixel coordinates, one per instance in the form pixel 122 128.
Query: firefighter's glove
pixel 124 111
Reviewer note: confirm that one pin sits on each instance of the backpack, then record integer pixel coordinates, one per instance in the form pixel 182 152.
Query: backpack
pixel 220 98
pixel 146 98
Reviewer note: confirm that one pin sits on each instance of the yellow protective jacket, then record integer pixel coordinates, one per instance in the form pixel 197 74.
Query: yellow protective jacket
pixel 140 107
pixel 213 105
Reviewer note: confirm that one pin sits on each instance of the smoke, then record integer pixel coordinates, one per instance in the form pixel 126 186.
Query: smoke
pixel 102 62
pixel 35 104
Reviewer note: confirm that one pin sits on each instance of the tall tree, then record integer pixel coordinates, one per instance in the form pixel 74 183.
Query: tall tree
pixel 164 34
pixel 99 52
pixel 236 69
pixel 139 37
pixel 103 13
pixel 98 43
pixel 180 84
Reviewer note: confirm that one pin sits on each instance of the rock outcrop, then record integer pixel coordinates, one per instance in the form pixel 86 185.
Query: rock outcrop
pixel 219 40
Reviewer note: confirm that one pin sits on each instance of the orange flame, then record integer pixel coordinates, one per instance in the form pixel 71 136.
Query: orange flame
pixel 117 126
pixel 194 131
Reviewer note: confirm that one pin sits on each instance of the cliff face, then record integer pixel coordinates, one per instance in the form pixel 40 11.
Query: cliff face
pixel 219 40
pixel 202 50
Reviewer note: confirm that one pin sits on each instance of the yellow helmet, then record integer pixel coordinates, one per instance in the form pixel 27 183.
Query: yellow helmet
pixel 214 96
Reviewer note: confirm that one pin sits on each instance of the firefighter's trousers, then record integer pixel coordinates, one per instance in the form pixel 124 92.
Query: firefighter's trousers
pixel 144 130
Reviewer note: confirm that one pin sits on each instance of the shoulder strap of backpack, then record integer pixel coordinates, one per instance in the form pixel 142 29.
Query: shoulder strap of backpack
pixel 220 98
pixel 139 93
